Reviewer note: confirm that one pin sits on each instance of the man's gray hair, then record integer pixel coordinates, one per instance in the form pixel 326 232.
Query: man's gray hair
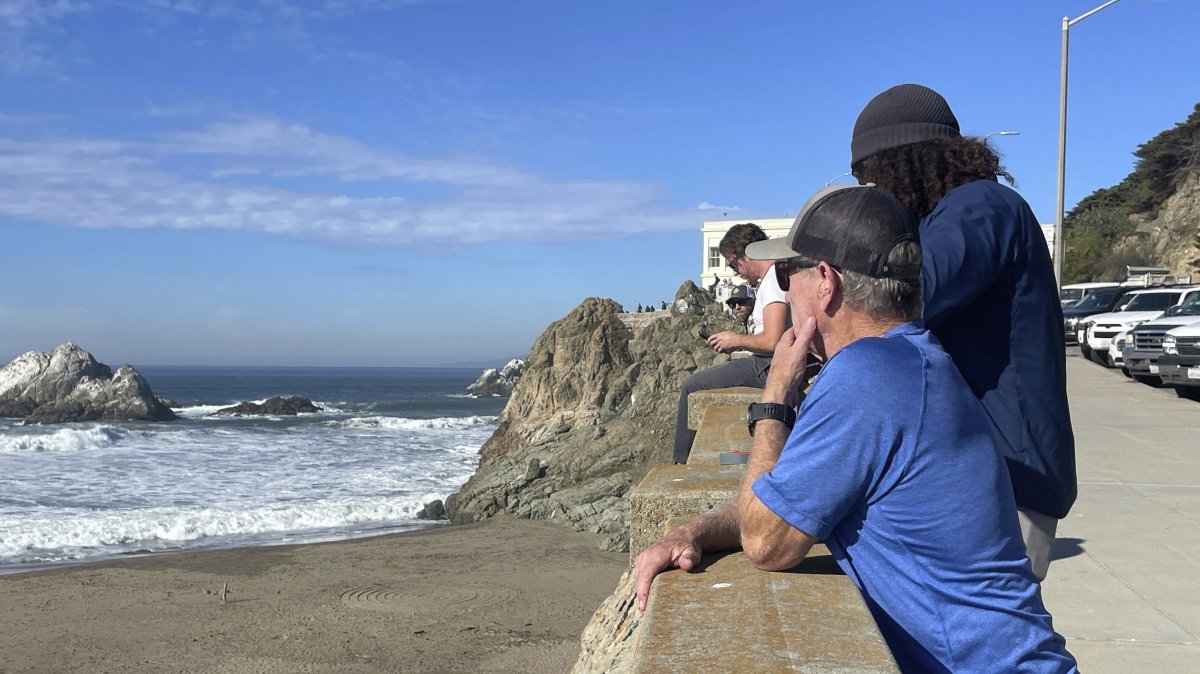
pixel 885 298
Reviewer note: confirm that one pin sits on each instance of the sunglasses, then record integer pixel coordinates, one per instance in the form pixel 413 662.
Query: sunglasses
pixel 740 303
pixel 785 268
pixel 733 264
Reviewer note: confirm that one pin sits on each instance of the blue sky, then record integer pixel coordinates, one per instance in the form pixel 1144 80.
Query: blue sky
pixel 390 182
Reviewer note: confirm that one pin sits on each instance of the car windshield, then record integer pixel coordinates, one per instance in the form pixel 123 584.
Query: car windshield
pixel 1152 301
pixel 1190 306
pixel 1124 301
pixel 1070 294
pixel 1097 299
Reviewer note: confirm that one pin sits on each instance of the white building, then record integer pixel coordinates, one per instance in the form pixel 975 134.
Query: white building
pixel 713 263
pixel 1048 232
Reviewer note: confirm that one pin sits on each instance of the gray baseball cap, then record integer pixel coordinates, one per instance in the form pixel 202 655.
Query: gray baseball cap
pixel 851 227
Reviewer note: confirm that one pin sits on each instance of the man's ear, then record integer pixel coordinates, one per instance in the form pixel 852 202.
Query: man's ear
pixel 829 286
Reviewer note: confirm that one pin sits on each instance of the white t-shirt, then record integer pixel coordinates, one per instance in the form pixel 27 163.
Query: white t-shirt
pixel 767 292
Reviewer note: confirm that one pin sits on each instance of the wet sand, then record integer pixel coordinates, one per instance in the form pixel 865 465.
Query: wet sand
pixel 505 595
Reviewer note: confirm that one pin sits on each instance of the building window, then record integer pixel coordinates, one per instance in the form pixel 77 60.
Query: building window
pixel 715 259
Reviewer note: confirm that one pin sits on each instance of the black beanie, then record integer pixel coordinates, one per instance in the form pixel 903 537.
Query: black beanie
pixel 906 113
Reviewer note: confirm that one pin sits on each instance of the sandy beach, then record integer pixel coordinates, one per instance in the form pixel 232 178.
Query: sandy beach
pixel 504 595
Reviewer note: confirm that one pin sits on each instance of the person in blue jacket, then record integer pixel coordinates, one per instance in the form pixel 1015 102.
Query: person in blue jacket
pixel 989 290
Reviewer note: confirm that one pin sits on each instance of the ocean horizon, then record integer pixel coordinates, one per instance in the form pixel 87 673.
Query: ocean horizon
pixel 387 441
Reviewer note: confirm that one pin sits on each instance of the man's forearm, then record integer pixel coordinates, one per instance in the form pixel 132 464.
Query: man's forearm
pixel 716 529
pixel 761 343
pixel 770 542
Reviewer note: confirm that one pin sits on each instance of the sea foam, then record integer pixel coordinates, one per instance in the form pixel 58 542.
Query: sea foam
pixel 62 440
pixel 401 423
pixel 53 538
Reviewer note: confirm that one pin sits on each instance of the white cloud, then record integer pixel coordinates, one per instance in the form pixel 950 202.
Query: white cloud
pixel 97 182
pixel 19 52
pixel 705 206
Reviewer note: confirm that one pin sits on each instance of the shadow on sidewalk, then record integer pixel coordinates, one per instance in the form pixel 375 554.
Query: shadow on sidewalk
pixel 1067 547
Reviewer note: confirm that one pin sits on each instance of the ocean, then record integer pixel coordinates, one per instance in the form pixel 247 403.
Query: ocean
pixel 387 441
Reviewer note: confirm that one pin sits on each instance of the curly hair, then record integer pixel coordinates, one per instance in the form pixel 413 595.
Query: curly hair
pixel 920 174
pixel 738 237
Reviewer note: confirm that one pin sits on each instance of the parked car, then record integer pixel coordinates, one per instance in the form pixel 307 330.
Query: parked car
pixel 1179 366
pixel 1145 343
pixel 1113 356
pixel 1072 293
pixel 1099 301
pixel 1146 305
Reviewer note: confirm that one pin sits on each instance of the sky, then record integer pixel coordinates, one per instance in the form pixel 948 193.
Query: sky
pixel 408 182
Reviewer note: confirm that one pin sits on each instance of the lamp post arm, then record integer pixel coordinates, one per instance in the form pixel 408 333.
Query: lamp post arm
pixel 1081 17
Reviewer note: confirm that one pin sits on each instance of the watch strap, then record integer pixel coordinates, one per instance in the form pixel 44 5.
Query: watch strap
pixel 778 411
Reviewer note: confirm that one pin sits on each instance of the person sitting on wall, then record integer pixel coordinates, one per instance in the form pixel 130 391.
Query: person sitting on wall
pixel 891 460
pixel 741 304
pixel 770 317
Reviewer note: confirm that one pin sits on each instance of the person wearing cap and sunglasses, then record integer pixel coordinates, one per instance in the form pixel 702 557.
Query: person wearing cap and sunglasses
pixel 890 460
pixel 770 320
pixel 741 304
pixel 990 293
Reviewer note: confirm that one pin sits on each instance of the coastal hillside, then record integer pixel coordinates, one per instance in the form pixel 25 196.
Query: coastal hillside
pixel 1152 217
pixel 594 409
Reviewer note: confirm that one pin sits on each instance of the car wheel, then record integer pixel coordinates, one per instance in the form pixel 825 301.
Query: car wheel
pixel 1085 350
pixel 1188 392
pixel 1149 379
pixel 1099 358
pixel 1125 371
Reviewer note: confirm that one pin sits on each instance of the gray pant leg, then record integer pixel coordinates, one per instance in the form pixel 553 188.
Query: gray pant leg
pixel 750 371
pixel 1038 531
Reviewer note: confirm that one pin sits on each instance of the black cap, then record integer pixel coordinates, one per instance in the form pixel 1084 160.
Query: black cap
pixel 904 114
pixel 852 227
pixel 742 292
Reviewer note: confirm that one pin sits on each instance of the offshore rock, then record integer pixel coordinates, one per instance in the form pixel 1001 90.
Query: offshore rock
pixel 594 409
pixel 500 382
pixel 274 406
pixel 434 510
pixel 68 384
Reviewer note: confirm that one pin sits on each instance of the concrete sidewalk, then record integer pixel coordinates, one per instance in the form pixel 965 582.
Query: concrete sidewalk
pixel 1125 587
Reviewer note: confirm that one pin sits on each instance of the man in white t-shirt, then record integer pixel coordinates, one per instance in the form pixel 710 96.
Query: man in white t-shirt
pixel 770 320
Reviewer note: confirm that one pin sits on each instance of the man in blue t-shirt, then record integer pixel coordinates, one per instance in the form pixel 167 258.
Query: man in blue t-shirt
pixel 891 462
pixel 990 294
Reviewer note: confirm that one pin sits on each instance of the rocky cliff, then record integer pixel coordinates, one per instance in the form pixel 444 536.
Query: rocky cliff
pixel 594 409
pixel 68 384
pixel 1170 235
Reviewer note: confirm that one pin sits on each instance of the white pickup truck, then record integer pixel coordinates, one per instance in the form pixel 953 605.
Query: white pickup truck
pixel 1144 344
pixel 1098 331
pixel 1179 366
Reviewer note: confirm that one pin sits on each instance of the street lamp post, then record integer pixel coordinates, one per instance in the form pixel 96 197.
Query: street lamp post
pixel 1060 238
pixel 985 136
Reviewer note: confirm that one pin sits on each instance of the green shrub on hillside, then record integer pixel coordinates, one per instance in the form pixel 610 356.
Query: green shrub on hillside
pixel 1101 220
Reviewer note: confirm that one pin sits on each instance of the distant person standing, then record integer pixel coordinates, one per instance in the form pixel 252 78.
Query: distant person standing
pixel 741 304
pixel 990 294
pixel 770 317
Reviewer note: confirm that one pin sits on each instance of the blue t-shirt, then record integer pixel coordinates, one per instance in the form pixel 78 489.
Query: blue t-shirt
pixel 991 299
pixel 894 466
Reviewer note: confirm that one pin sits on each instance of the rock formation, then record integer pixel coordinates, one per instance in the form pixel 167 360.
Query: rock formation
pixel 595 408
pixel 500 382
pixel 1171 234
pixel 68 384
pixel 275 406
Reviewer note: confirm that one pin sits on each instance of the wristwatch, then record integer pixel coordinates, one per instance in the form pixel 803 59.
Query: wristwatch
pixel 776 411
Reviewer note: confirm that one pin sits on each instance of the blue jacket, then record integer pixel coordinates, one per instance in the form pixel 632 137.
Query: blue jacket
pixel 991 299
